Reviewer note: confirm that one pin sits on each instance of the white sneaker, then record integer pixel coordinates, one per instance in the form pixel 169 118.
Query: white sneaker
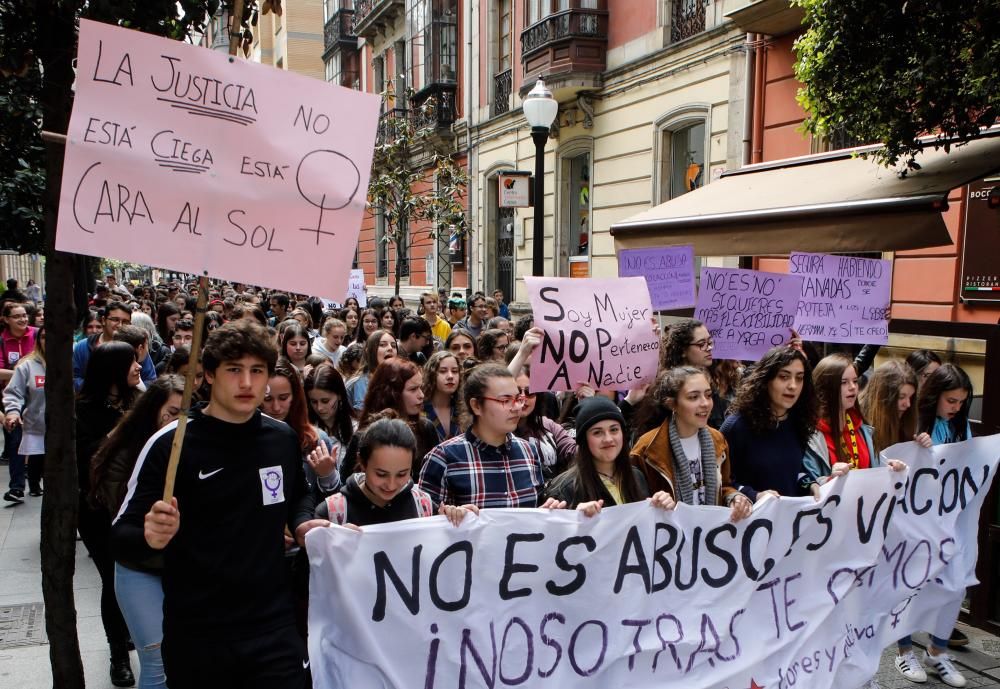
pixel 943 665
pixel 910 668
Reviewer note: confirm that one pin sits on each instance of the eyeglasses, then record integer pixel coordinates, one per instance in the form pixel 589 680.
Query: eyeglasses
pixel 507 402
pixel 704 345
pixel 527 395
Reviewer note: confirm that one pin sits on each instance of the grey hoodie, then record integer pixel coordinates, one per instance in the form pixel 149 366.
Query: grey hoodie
pixel 25 394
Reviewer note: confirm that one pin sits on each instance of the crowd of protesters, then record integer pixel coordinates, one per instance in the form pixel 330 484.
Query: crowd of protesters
pixel 306 416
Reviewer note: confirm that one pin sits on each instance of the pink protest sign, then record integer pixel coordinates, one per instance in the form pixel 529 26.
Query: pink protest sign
pixel 182 157
pixel 747 311
pixel 597 331
pixel 844 298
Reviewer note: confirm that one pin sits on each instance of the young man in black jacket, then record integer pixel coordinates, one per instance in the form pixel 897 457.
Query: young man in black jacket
pixel 228 616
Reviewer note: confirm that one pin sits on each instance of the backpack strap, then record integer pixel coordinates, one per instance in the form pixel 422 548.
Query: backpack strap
pixel 336 504
pixel 423 502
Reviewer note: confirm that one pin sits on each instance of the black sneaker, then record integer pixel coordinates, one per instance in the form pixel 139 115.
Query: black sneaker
pixel 14 496
pixel 35 492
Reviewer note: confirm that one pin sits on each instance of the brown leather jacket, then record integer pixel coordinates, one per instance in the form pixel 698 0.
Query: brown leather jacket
pixel 654 458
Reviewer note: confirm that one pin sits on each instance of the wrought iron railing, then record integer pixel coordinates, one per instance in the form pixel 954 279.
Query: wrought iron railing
pixel 391 122
pixel 503 85
pixel 586 23
pixel 338 32
pixel 434 106
pixel 364 10
pixel 687 19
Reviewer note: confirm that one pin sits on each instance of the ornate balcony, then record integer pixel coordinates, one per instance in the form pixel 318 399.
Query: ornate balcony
pixel 338 33
pixel 434 106
pixel 503 84
pixel 372 16
pixel 687 19
pixel 390 123
pixel 568 49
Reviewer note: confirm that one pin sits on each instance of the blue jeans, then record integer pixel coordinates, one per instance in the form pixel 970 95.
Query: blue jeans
pixel 140 597
pixel 936 642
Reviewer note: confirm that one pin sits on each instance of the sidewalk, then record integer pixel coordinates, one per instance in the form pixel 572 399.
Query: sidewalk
pixel 24 664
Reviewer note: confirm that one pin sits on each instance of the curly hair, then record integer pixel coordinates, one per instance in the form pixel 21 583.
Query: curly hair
pixel 676 340
pixel 235 340
pixel 753 400
pixel 879 403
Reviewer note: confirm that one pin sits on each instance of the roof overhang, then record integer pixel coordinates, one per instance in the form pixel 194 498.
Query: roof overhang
pixel 771 17
pixel 834 202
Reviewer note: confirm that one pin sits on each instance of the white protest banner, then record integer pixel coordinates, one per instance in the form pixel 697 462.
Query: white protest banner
pixel 844 298
pixel 800 594
pixel 597 331
pixel 747 312
pixel 356 287
pixel 183 157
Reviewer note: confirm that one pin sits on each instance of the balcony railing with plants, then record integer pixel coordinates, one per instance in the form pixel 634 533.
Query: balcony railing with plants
pixel 433 107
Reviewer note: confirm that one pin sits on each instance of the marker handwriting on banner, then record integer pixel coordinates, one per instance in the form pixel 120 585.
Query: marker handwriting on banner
pixel 154 170
pixel 844 298
pixel 668 270
pixel 691 599
pixel 597 331
pixel 746 311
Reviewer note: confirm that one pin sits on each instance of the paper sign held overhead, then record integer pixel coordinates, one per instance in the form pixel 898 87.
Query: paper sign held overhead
pixel 597 331
pixel 185 158
pixel 356 288
pixel 669 273
pixel 844 298
pixel 747 312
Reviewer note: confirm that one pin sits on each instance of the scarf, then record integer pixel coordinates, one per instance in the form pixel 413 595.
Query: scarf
pixel 682 470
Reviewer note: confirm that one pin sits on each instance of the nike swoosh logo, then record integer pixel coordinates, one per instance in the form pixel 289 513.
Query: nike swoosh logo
pixel 203 475
pixel 305 664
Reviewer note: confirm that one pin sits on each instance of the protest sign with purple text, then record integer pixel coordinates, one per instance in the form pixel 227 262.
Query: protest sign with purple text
pixel 844 298
pixel 669 273
pixel 186 158
pixel 597 332
pixel 747 312
pixel 801 594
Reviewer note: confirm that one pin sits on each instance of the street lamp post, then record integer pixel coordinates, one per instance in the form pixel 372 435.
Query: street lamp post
pixel 540 109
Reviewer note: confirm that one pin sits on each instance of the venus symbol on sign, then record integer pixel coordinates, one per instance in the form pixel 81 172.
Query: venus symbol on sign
pixel 329 181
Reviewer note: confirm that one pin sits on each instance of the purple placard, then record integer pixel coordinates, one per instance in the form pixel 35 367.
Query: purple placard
pixel 669 273
pixel 747 312
pixel 844 298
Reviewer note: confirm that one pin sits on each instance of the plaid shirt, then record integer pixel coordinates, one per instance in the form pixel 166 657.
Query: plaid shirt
pixel 466 470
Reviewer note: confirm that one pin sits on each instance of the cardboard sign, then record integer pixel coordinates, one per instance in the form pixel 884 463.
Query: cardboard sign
pixel 800 594
pixel 356 287
pixel 747 312
pixel 597 331
pixel 515 190
pixel 669 273
pixel 183 157
pixel 844 298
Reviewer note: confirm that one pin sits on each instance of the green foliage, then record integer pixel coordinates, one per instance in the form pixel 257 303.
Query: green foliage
pixel 891 71
pixel 397 175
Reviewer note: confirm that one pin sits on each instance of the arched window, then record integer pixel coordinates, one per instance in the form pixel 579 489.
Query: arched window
pixel 681 152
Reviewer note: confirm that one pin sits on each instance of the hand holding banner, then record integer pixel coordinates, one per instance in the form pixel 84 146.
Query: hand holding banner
pixel 597 331
pixel 747 312
pixel 844 298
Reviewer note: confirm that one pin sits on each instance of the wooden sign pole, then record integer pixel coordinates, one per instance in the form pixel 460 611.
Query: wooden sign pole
pixel 235 34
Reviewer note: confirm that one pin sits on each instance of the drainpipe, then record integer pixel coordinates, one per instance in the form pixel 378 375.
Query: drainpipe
pixel 760 62
pixel 473 182
pixel 748 98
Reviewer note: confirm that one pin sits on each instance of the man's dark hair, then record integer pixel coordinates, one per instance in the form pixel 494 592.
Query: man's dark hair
pixel 377 303
pixel 236 340
pixel 12 284
pixel 184 324
pixel 523 325
pixel 282 299
pixel 413 326
pixel 132 334
pixel 115 306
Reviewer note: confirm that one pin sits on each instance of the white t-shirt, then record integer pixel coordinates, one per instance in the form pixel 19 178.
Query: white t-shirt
pixel 692 452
